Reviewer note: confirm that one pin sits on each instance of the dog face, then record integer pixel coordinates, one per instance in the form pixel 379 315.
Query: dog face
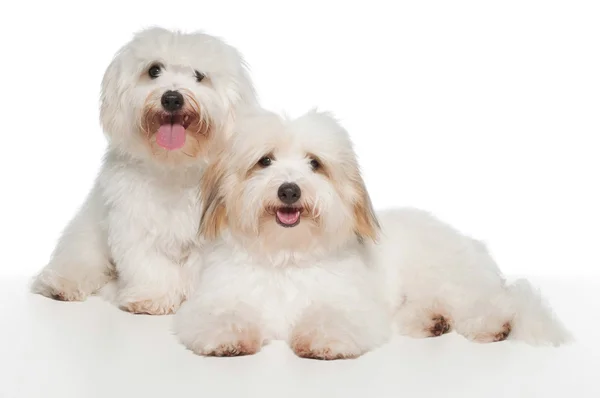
pixel 288 186
pixel 167 94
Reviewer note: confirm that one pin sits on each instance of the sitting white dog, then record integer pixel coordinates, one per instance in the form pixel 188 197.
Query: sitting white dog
pixel 166 97
pixel 294 257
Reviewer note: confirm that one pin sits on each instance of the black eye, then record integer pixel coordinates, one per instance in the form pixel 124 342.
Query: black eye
pixel 154 71
pixel 199 76
pixel 265 161
pixel 315 164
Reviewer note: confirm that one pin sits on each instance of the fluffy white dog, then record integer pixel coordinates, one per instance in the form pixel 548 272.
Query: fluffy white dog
pixel 293 257
pixel 292 211
pixel 166 97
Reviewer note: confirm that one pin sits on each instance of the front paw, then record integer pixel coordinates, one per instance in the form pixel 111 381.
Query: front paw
pixel 319 345
pixel 328 335
pixel 52 285
pixel 224 335
pixel 156 306
pixel 234 343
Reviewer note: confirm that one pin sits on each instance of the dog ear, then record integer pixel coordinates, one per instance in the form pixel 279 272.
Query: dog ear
pixel 366 224
pixel 214 215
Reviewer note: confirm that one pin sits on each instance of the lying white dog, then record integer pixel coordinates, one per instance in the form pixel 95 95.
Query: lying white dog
pixel 294 257
pixel 166 97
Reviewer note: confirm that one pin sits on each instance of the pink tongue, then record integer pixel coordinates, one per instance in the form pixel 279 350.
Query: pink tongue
pixel 288 217
pixel 171 136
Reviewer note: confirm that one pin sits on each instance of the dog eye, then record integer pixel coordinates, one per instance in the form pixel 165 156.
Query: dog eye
pixel 154 71
pixel 199 76
pixel 315 164
pixel 265 161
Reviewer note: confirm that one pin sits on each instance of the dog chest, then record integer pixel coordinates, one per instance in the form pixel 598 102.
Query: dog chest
pixel 146 213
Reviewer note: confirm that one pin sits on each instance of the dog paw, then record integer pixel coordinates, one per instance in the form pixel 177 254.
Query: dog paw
pixel 493 336
pixel 440 325
pixel 425 326
pixel 422 318
pixel 69 296
pixel 245 342
pixel 232 341
pixel 58 288
pixel 315 346
pixel 163 306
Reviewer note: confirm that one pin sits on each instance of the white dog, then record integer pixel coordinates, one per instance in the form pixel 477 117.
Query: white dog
pixel 295 258
pixel 166 97
pixel 292 211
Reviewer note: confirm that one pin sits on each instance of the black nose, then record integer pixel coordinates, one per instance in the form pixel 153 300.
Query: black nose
pixel 172 101
pixel 289 193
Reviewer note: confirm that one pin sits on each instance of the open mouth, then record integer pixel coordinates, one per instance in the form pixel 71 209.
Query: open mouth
pixel 171 133
pixel 288 216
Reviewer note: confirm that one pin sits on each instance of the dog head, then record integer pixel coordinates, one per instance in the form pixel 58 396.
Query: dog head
pixel 166 95
pixel 288 186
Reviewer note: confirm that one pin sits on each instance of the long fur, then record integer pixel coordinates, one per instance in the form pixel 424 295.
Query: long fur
pixel 306 284
pixel 141 218
pixel 534 321
pixel 339 282
pixel 441 280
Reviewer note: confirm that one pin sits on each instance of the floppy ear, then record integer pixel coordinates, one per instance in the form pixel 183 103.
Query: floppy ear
pixel 214 215
pixel 366 224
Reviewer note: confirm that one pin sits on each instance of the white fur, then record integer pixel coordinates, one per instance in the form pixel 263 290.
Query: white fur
pixel 140 220
pixel 308 284
pixel 433 270
pixel 330 298
pixel 322 286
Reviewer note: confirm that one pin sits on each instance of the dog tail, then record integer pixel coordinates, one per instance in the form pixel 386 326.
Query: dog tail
pixel 534 321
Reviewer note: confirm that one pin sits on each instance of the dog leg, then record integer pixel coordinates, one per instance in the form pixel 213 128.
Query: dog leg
pixel 327 333
pixel 422 318
pixel 485 329
pixel 216 331
pixel 80 264
pixel 152 285
pixel 484 318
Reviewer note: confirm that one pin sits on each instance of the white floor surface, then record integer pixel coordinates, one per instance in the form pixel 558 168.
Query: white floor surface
pixel 53 349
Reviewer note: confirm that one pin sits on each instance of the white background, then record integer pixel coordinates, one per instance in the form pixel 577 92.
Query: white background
pixel 487 113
